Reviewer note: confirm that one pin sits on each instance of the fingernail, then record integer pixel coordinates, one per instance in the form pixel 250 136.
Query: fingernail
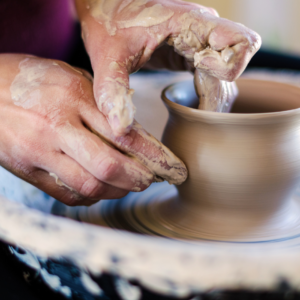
pixel 116 127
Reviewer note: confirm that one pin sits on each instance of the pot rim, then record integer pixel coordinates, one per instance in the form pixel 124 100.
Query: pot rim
pixel 242 118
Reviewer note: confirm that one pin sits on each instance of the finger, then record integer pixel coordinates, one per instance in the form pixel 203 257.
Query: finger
pixel 214 94
pixel 114 56
pixel 68 175
pixel 112 60
pixel 217 46
pixel 111 87
pixel 102 161
pixel 142 146
pixel 114 97
pixel 231 48
pixel 56 188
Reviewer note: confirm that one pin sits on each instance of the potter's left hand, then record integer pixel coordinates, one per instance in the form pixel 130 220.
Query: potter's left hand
pixel 121 36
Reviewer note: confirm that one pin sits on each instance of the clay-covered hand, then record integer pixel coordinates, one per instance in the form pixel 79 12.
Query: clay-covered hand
pixel 54 136
pixel 121 35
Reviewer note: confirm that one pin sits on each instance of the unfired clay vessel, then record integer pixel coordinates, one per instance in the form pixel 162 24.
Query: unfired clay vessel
pixel 243 168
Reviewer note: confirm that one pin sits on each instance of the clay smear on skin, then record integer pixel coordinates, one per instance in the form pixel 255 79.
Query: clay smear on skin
pixel 118 14
pixel 196 30
pixel 25 93
pixel 162 163
pixel 59 182
pixel 25 87
pixel 214 94
pixel 115 67
pixel 117 98
pixel 192 42
pixel 135 172
pixel 76 140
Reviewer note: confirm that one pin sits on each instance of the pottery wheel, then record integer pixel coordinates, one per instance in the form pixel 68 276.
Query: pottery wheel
pixel 142 213
pixel 167 266
pixel 158 212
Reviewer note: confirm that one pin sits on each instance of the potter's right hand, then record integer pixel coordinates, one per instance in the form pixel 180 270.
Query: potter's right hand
pixel 54 137
pixel 121 36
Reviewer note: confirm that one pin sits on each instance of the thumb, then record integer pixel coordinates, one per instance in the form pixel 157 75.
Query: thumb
pixel 113 96
pixel 111 62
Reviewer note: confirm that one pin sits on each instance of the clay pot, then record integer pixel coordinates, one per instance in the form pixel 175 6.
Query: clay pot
pixel 243 166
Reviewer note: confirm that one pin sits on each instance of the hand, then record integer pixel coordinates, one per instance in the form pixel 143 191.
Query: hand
pixel 121 36
pixel 54 137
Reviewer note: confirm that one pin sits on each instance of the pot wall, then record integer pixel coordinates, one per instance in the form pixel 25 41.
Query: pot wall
pixel 251 162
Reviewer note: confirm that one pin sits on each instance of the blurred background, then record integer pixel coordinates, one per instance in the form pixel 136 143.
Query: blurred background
pixel 277 21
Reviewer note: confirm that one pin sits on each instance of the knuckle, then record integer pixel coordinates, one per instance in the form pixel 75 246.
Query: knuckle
pixel 38 123
pixel 107 168
pixel 127 142
pixel 53 116
pixel 134 141
pixel 92 188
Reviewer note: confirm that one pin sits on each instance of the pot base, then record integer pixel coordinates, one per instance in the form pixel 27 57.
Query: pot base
pixel 158 211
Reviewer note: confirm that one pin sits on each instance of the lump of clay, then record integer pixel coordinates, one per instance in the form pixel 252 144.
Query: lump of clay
pixel 214 94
